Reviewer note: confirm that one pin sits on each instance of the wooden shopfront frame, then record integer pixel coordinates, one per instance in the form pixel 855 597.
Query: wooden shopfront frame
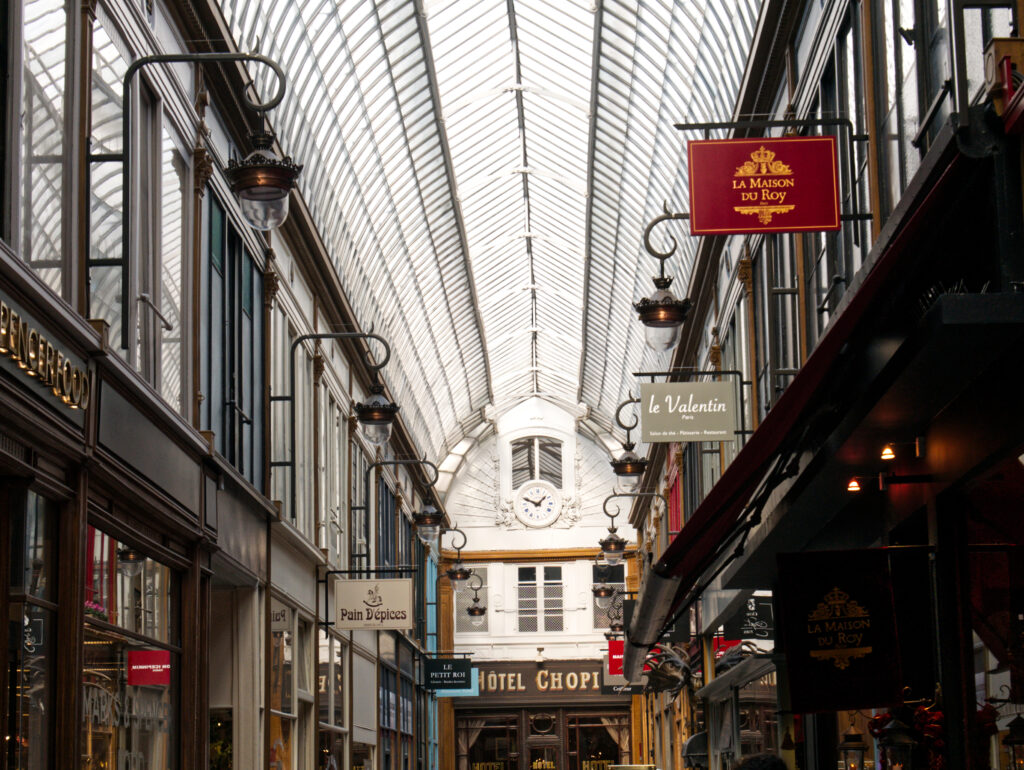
pixel 545 710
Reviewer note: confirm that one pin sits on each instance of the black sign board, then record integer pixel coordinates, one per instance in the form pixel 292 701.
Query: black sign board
pixel 616 684
pixel 447 674
pixel 837 620
pixel 754 620
pixel 678 632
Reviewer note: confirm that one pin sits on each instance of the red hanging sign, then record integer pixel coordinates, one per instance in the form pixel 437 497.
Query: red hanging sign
pixel 763 185
pixel 615 647
pixel 149 667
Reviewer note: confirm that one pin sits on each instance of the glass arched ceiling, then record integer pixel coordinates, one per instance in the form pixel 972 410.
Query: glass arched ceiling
pixel 481 172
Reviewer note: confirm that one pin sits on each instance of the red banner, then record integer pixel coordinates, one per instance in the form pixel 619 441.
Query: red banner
pixel 149 667
pixel 615 647
pixel 763 185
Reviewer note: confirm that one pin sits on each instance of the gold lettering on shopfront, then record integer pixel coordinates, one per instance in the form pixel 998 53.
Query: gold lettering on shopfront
pixel 544 680
pixel 37 357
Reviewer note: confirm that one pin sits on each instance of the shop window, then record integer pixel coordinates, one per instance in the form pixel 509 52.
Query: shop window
pixel 596 742
pixel 490 743
pixel 291 689
pixel 31 535
pixel 537 457
pixel 221 739
pixel 464 600
pixel 362 756
pixel 540 595
pixel 331 681
pixel 758 717
pixel 616 578
pixel 131 658
pixel 231 345
pixel 126 589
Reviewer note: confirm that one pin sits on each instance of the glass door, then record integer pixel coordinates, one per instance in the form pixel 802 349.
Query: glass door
pixel 544 757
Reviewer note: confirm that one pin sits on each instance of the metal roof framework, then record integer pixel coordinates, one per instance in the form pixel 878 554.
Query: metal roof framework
pixel 481 172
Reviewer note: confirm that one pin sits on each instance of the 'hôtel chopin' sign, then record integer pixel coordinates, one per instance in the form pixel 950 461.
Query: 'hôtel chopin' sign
pixel 522 682
pixel 25 344
pixel 764 185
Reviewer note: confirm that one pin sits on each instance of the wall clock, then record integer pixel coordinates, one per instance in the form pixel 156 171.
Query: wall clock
pixel 538 503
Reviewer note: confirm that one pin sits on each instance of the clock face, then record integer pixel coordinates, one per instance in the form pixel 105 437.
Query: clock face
pixel 537 504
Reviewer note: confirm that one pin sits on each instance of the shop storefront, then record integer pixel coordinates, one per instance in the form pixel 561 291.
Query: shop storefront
pixel 549 716
pixel 102 576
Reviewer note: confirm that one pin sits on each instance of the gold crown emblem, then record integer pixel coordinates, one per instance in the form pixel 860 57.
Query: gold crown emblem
pixel 836 597
pixel 762 162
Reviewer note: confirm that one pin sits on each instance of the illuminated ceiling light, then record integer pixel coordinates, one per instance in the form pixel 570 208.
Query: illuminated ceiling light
pixel 888 453
pixel 853 485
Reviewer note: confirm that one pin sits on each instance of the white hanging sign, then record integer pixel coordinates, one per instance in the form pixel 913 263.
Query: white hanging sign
pixel 688 411
pixel 377 605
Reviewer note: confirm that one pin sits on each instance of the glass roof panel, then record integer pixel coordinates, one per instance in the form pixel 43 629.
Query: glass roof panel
pixel 482 187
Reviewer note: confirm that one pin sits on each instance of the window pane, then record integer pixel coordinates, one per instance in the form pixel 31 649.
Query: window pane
pixel 31 663
pixel 338 679
pixel 323 677
pixel 42 115
pixel 521 469
pixel 128 589
pixel 280 742
pixel 550 460
pixel 33 539
pixel 129 703
pixel 281 657
pixel 174 174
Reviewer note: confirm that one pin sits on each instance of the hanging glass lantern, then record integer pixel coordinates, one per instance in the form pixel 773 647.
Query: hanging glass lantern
pixel 629 468
pixel 898 742
pixel 1014 742
pixel 613 548
pixel 851 749
pixel 603 595
pixel 662 316
pixel 376 416
pixel 428 524
pixel 263 181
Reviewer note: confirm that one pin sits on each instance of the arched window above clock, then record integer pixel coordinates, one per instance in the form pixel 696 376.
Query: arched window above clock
pixel 536 457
